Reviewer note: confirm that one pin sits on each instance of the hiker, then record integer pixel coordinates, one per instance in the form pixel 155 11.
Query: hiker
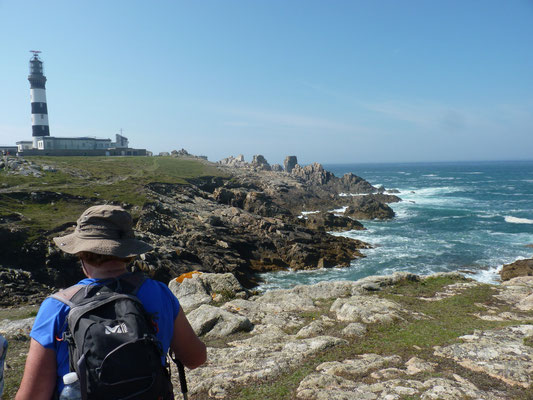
pixel 104 242
pixel 3 353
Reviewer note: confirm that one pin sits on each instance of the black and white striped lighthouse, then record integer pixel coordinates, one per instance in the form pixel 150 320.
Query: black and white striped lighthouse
pixel 39 110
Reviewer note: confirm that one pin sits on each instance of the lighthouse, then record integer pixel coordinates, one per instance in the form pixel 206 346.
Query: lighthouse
pixel 39 110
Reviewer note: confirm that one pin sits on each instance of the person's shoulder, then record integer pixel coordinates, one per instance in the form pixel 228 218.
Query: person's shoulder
pixel 153 284
pixel 53 304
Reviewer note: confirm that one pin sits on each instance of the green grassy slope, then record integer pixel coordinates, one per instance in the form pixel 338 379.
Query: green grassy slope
pixel 101 179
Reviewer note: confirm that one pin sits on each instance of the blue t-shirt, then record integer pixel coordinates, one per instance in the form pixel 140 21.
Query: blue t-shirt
pixel 49 324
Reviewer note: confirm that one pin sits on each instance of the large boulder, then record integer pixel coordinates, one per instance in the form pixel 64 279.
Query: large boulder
pixel 213 322
pixel 205 288
pixel 367 310
pixel 366 207
pixel 517 268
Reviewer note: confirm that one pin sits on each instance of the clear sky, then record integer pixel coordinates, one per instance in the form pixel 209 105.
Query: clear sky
pixel 328 81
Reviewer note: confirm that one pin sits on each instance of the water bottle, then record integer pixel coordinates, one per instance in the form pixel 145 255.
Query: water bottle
pixel 71 390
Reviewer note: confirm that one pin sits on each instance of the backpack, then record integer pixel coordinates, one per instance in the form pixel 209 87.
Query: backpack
pixel 112 342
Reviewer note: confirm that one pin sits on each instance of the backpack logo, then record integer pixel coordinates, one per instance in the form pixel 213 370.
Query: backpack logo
pixel 120 328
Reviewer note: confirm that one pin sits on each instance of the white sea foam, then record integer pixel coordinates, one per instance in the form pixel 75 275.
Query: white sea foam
pixel 339 210
pixel 309 212
pixel 432 191
pixel 351 194
pixel 430 175
pixel 515 220
pixel 435 196
pixel 487 275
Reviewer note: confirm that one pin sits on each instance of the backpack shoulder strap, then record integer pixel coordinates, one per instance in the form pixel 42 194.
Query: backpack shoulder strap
pixel 65 295
pixel 134 282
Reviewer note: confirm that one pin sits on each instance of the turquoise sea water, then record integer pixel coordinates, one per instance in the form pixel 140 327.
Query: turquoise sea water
pixel 472 216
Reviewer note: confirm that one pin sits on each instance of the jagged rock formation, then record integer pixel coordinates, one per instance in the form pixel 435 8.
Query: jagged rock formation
pixel 312 173
pixel 235 162
pixel 289 163
pixel 259 162
pixel 367 207
pixel 190 230
pixel 245 223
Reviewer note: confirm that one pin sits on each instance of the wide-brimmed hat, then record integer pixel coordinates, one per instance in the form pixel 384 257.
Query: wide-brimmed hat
pixel 103 230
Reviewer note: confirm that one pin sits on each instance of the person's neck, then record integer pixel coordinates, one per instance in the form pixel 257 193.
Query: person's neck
pixel 107 270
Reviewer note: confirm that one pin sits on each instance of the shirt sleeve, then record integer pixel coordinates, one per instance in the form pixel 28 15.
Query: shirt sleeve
pixel 174 302
pixel 49 323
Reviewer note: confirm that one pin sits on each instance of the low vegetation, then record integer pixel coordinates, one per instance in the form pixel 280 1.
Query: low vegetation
pixel 449 319
pixel 446 320
pixel 91 180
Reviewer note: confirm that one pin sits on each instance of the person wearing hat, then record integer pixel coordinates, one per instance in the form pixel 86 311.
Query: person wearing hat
pixel 105 243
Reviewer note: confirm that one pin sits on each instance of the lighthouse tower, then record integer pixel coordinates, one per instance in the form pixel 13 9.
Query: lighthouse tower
pixel 39 111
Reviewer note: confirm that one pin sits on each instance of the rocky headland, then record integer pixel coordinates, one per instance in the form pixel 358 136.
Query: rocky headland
pixel 246 221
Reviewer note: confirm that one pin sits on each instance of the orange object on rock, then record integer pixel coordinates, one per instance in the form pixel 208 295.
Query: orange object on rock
pixel 187 275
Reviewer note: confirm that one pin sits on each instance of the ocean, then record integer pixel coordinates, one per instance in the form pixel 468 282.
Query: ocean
pixel 471 217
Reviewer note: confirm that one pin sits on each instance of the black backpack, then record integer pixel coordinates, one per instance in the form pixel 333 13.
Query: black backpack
pixel 112 342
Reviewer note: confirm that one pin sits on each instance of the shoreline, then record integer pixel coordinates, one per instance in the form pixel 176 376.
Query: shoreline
pixel 245 221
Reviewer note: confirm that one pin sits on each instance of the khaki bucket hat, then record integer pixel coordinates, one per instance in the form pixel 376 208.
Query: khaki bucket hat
pixel 103 230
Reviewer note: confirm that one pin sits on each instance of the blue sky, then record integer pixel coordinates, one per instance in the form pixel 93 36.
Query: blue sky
pixel 328 81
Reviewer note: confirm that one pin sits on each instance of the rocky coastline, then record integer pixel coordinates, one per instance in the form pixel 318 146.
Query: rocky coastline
pixel 402 336
pixel 246 221
pixel 383 337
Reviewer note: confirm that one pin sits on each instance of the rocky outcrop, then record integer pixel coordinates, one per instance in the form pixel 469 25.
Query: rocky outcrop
pixel 351 183
pixel 270 350
pixel 244 222
pixel 192 231
pixel 517 268
pixel 367 207
pixel 495 353
pixel 308 333
pixel 234 162
pixel 330 222
pixel 289 163
pixel 20 287
pixel 20 166
pixel 259 162
pixel 312 173
pixel 207 289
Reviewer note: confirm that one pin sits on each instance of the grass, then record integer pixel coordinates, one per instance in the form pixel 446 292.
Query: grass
pixel 94 180
pixel 14 367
